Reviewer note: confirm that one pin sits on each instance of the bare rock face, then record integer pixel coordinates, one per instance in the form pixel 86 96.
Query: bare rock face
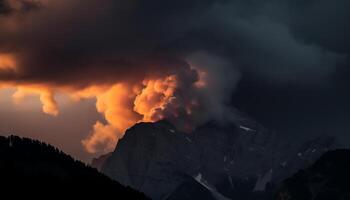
pixel 233 160
pixel 190 189
pixel 327 178
pixel 100 161
pixel 153 157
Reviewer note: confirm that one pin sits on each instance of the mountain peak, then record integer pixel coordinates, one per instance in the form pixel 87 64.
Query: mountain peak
pixel 153 157
pixel 157 159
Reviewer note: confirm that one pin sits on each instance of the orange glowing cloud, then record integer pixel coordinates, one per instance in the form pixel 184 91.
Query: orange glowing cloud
pixel 154 97
pixel 102 139
pixel 49 105
pixel 122 104
pixel 131 79
pixel 7 62
pixel 115 104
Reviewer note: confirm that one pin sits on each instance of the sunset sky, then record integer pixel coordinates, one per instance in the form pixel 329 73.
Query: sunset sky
pixel 78 73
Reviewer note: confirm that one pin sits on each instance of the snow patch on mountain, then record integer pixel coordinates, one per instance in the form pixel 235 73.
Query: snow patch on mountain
pixel 217 195
pixel 262 181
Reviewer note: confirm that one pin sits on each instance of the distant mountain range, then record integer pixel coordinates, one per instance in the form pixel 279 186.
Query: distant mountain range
pixel 240 160
pixel 34 169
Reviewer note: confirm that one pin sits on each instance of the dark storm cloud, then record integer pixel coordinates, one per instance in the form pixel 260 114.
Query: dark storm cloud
pixel 112 40
pixel 324 23
pixel 261 38
pixel 4 7
pixel 274 40
pixel 7 7
pixel 298 109
pixel 292 55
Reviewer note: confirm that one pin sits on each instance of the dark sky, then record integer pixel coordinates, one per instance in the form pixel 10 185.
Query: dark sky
pixel 284 62
pixel 298 111
pixel 306 109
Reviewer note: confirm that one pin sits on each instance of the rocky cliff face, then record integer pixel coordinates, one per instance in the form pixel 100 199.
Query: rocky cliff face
pixel 99 162
pixel 238 160
pixel 154 157
pixel 328 178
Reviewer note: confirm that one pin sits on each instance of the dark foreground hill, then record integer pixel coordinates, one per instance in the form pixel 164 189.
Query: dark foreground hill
pixel 30 165
pixel 327 179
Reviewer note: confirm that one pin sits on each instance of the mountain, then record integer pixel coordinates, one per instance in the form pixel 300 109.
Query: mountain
pixel 327 178
pixel 153 157
pixel 36 167
pixel 233 160
pixel 99 162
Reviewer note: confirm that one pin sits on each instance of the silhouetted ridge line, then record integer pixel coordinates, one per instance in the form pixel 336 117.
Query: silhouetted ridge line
pixel 327 178
pixel 27 164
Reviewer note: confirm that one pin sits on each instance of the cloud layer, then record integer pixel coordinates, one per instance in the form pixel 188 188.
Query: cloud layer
pixel 54 41
pixel 157 58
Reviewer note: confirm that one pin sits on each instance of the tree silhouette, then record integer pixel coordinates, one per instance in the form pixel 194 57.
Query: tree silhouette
pixel 37 167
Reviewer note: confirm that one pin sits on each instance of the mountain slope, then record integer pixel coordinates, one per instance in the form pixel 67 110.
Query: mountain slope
pixel 238 160
pixel 27 164
pixel 152 157
pixel 327 178
pixel 99 162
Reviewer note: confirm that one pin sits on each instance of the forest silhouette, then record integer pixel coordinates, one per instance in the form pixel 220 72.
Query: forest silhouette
pixel 36 167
